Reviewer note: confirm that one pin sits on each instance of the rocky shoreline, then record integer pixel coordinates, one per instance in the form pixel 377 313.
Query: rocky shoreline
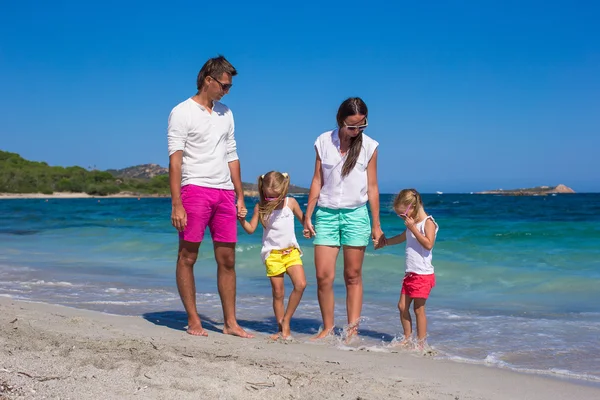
pixel 536 191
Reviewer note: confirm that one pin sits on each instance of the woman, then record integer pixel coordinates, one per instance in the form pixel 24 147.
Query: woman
pixel 345 178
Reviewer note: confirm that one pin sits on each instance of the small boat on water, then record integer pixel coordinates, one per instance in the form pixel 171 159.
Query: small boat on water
pixel 439 192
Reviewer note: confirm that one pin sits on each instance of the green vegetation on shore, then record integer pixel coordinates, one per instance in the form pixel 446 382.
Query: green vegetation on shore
pixel 18 175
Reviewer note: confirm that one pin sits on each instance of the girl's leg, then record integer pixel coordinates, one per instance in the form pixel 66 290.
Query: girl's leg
pixel 296 273
pixel 404 307
pixel 278 287
pixel 353 262
pixel 421 319
pixel 325 257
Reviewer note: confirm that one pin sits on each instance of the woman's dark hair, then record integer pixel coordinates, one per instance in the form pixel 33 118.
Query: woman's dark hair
pixel 214 67
pixel 350 107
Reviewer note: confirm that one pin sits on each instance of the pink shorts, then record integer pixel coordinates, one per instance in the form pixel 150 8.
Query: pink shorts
pixel 418 286
pixel 210 207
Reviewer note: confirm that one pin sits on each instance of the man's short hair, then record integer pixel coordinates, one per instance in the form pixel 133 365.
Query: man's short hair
pixel 215 67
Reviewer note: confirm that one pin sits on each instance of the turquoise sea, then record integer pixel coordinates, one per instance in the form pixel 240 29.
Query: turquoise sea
pixel 518 278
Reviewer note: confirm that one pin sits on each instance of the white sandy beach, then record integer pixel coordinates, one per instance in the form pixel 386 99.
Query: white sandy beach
pixel 55 352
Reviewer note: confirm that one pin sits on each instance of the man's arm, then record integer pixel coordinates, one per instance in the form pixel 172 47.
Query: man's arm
pixel 177 136
pixel 236 178
pixel 235 169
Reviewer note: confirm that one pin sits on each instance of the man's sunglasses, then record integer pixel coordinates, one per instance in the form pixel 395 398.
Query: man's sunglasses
pixel 224 86
pixel 357 127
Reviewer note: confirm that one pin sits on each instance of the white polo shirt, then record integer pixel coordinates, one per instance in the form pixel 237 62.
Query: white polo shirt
pixel 350 191
pixel 207 141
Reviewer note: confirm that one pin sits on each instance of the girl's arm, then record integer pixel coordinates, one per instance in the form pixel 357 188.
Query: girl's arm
pixel 427 240
pixel 293 204
pixel 250 227
pixel 313 196
pixel 396 239
pixel 373 193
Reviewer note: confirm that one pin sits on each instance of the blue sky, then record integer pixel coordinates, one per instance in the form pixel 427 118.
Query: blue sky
pixel 463 96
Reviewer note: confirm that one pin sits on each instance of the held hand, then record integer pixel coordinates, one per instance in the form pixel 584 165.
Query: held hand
pixel 309 230
pixel 378 237
pixel 241 209
pixel 179 217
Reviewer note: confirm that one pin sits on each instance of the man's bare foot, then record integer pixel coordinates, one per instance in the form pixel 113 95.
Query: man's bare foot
pixel 237 331
pixel 323 334
pixel 275 336
pixel 196 329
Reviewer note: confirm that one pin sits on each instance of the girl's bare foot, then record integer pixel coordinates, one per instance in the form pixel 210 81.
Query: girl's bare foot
pixel 285 329
pixel 323 334
pixel 404 343
pixel 351 333
pixel 277 335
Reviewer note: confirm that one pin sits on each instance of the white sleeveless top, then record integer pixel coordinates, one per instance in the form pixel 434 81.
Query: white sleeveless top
pixel 418 258
pixel 339 192
pixel 279 232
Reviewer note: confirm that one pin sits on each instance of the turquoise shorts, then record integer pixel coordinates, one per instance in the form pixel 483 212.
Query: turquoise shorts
pixel 343 227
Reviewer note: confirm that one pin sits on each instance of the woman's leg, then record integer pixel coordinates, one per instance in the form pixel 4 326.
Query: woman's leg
pixel 278 287
pixel 353 262
pixel 296 273
pixel 325 257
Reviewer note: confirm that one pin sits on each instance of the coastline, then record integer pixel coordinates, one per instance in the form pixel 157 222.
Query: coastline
pixel 55 351
pixel 76 195
pixel 82 195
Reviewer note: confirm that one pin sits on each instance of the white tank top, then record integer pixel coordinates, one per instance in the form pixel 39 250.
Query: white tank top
pixel 418 258
pixel 279 232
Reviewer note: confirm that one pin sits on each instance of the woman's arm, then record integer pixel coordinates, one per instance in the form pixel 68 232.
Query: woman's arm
pixel 373 193
pixel 313 196
pixel 251 226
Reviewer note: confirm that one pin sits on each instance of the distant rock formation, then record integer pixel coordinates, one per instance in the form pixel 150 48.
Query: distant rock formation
pixel 144 171
pixel 149 171
pixel 536 191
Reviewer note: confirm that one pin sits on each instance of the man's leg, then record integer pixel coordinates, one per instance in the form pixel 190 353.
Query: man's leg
pixel 223 229
pixel 226 281
pixel 197 204
pixel 186 258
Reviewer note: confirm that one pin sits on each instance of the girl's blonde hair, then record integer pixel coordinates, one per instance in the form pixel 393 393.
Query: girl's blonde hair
pixel 277 182
pixel 406 198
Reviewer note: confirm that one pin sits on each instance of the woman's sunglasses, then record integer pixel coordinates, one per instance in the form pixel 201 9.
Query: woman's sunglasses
pixel 357 127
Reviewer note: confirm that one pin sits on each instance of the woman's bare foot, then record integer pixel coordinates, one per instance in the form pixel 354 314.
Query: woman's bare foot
pixel 275 336
pixel 237 331
pixel 195 329
pixel 323 334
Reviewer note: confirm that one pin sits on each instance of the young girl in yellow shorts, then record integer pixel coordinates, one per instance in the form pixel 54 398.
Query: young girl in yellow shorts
pixel 280 251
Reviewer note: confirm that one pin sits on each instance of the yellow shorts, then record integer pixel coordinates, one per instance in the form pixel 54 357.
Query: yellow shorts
pixel 280 260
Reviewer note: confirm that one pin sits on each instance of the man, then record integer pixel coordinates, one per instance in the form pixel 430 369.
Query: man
pixel 205 180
